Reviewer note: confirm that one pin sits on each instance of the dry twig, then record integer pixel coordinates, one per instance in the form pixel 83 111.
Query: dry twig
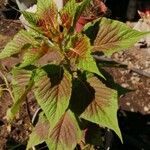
pixel 138 71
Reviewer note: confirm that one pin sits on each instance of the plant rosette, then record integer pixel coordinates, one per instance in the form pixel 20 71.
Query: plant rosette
pixel 58 67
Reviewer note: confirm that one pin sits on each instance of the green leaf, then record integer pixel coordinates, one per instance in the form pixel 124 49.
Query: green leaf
pixel 21 84
pixel 45 5
pixel 17 44
pixel 80 8
pixel 20 81
pixel 33 54
pixel 30 17
pixel 53 91
pixel 51 57
pixel 113 36
pixel 80 51
pixel 79 46
pixel 66 134
pixel 89 64
pixel 40 132
pixel 103 107
pixel 48 19
pixel 67 14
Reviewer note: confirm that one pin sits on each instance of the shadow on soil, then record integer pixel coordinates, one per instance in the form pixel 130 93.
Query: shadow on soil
pixel 135 129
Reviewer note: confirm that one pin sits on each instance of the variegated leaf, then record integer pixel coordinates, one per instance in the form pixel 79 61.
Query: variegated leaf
pixel 67 14
pixel 79 47
pixel 21 84
pixel 33 54
pixel 80 8
pixel 80 52
pixel 112 36
pixel 40 132
pixel 20 81
pixel 103 107
pixel 53 91
pixel 48 18
pixel 66 134
pixel 19 41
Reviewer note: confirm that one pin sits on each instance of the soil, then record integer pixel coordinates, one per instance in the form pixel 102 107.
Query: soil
pixel 13 136
pixel 134 113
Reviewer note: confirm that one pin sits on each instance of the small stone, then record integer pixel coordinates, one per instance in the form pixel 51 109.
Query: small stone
pixel 132 109
pixel 135 79
pixel 9 128
pixel 146 109
pixel 128 104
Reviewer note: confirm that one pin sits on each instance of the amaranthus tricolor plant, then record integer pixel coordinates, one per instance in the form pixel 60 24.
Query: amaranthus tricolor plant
pixel 57 65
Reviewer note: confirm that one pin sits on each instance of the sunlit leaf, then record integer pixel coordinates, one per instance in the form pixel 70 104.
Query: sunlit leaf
pixel 53 91
pixel 22 83
pixel 44 5
pixel 40 132
pixel 67 14
pixel 30 17
pixel 89 64
pixel 80 51
pixel 51 57
pixel 48 18
pixel 79 47
pixel 33 54
pixel 112 35
pixel 103 107
pixel 66 134
pixel 80 8
pixel 17 44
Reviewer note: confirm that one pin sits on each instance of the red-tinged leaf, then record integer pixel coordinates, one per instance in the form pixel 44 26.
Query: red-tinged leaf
pixel 80 47
pixel 66 134
pixel 103 107
pixel 51 57
pixel 44 5
pixel 90 14
pixel 40 132
pixel 101 6
pixel 80 9
pixel 67 14
pixel 53 91
pixel 48 18
pixel 81 22
pixel 20 81
pixel 112 36
pixel 21 84
pixel 79 54
pixel 33 54
pixel 21 39
pixel 66 20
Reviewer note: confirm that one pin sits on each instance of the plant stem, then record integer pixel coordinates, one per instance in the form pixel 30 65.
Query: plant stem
pixel 7 85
